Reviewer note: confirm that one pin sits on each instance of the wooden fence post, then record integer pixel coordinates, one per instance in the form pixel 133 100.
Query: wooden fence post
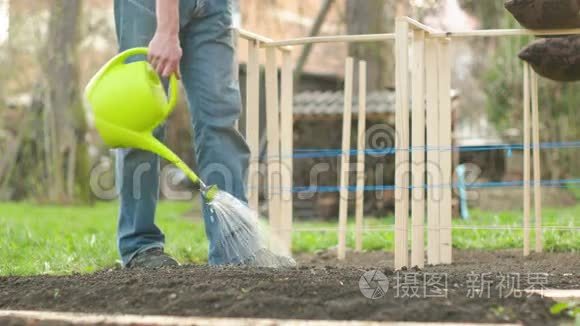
pixel 345 161
pixel 361 148
pixel 418 153
pixel 402 143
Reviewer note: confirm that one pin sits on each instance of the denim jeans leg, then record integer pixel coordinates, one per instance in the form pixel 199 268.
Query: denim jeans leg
pixel 137 171
pixel 210 79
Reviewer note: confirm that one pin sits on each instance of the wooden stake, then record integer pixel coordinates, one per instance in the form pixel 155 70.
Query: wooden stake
pixel 418 153
pixel 402 141
pixel 253 122
pixel 345 161
pixel 526 179
pixel 537 170
pixel 360 173
pixel 273 136
pixel 287 134
pixel 433 157
pixel 445 135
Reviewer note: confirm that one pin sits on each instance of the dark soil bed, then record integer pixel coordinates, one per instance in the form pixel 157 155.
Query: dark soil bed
pixel 321 288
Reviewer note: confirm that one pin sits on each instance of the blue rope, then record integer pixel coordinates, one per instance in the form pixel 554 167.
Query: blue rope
pixel 481 185
pixel 321 153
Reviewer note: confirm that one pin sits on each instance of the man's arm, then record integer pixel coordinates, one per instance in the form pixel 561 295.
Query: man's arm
pixel 165 50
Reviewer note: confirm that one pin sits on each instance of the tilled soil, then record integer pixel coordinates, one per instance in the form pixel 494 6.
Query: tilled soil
pixel 477 289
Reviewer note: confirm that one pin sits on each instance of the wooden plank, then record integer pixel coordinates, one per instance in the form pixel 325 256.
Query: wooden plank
pixel 57 318
pixel 331 39
pixel 273 137
pixel 537 168
pixel 445 139
pixel 287 134
pixel 418 153
pixel 361 147
pixel 262 40
pixel 250 36
pixel 433 33
pixel 345 159
pixel 506 32
pixel 557 294
pixel 402 141
pixel 253 122
pixel 526 178
pixel 433 157
pixel 417 26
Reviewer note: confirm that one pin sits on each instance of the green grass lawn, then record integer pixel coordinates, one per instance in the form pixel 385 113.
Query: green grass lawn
pixel 59 240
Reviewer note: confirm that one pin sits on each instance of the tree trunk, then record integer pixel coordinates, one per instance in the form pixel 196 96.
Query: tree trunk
pixel 369 17
pixel 65 123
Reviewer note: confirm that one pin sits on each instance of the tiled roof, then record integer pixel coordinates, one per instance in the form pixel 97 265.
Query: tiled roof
pixel 332 103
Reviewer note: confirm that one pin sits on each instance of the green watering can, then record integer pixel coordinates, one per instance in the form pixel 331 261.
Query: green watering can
pixel 128 102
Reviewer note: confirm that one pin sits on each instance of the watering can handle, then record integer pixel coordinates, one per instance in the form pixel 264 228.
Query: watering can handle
pixel 173 93
pixel 173 82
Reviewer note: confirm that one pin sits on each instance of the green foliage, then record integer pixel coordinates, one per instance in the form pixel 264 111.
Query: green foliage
pixel 575 191
pixel 502 83
pixel 571 309
pixel 57 240
pixel 63 240
pixel 490 13
pixel 314 236
pixel 492 238
pixel 502 313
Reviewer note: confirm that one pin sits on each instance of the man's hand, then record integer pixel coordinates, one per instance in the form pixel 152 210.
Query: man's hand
pixel 165 53
pixel 165 50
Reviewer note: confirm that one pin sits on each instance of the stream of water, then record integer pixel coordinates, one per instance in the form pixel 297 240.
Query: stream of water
pixel 239 235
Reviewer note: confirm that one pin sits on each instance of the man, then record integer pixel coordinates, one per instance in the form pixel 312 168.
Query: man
pixel 192 38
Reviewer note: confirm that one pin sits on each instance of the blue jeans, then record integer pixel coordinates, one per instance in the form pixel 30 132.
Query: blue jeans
pixel 210 80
